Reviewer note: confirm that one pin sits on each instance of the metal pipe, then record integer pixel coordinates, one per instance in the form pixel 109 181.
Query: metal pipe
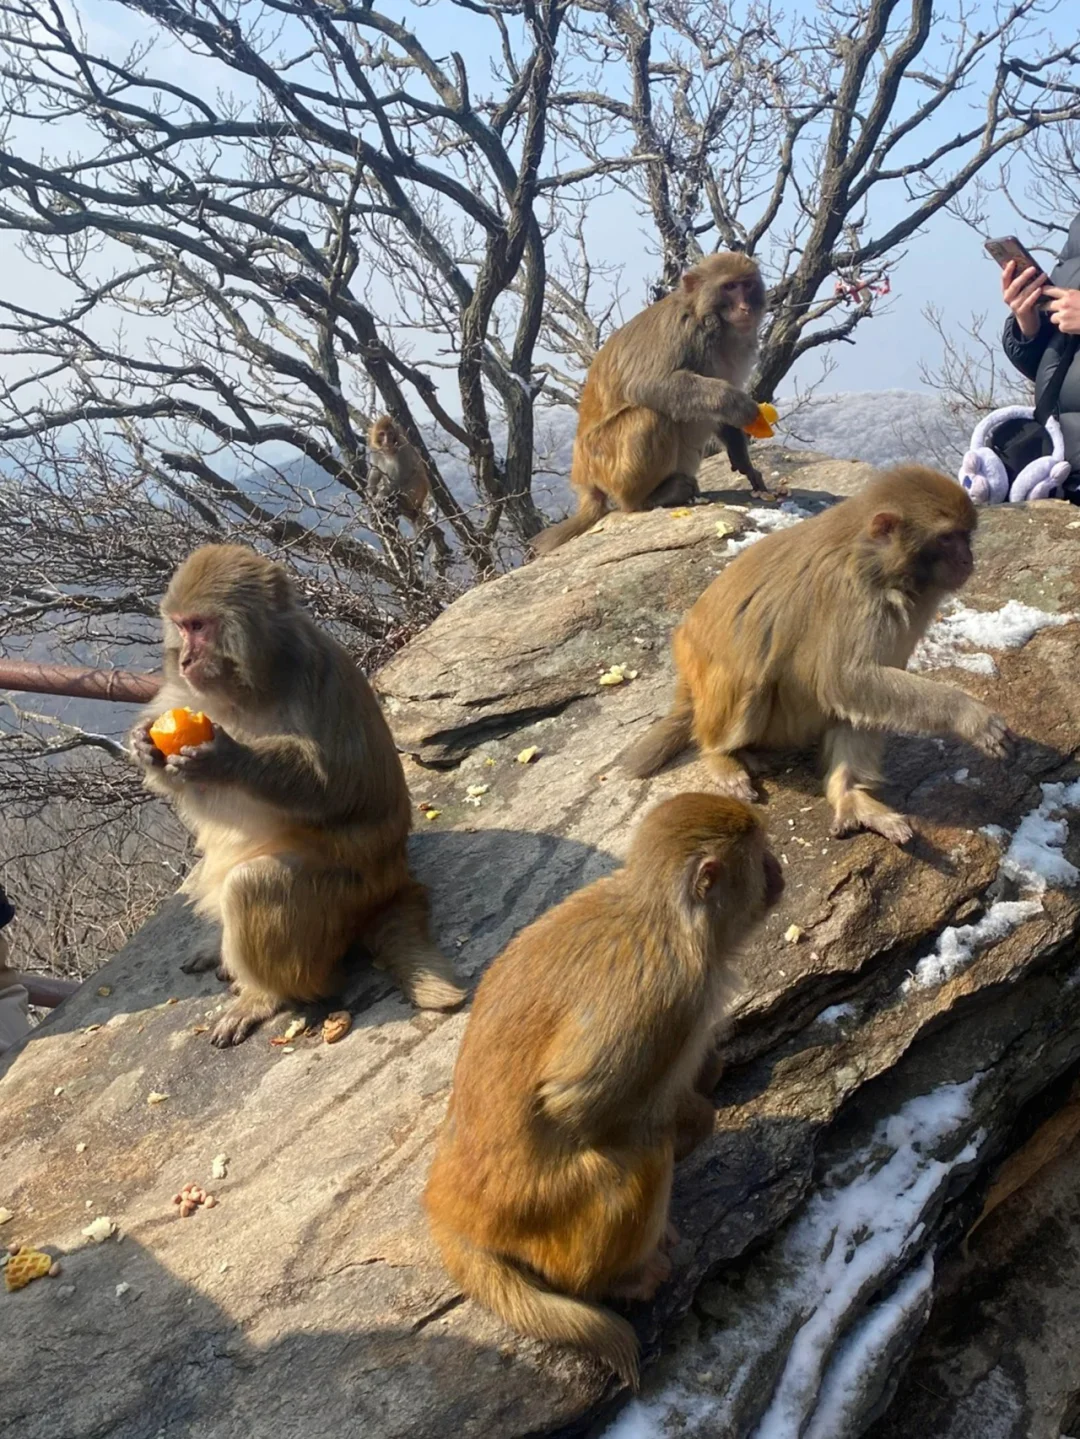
pixel 80 683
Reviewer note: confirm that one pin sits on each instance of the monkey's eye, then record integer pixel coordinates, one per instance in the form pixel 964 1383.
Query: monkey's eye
pixel 196 626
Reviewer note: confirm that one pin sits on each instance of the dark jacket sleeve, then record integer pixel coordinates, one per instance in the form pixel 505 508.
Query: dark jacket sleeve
pixel 1025 354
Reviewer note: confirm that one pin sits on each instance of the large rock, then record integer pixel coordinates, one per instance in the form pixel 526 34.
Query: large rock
pixel 880 1060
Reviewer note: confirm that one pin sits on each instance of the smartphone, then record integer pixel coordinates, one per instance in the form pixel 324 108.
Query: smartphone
pixel 1009 248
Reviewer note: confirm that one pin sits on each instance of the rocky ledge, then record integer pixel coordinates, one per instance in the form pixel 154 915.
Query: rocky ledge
pixel 910 1018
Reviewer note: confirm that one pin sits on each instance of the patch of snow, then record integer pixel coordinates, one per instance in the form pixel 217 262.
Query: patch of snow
pixel 765 522
pixel 836 1013
pixel 949 638
pixel 864 1349
pixel 1034 856
pixel 958 945
pixel 850 1239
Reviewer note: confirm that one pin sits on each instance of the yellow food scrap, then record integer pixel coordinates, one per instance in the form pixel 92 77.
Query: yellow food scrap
pixel 156 1097
pixel 679 514
pixel 28 1264
pixel 528 755
pixel 336 1026
pixel 725 527
pixel 293 1028
pixel 793 934
pixel 99 1229
pixel 432 813
pixel 475 792
pixel 617 675
pixel 104 990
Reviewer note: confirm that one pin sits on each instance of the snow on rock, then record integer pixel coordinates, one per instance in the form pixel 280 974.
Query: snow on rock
pixel 866 1350
pixel 862 1229
pixel 958 945
pixel 1035 859
pixel 952 635
pixel 765 522
pixel 1034 856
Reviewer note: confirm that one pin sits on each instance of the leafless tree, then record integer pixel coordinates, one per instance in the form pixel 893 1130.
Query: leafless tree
pixel 234 241
pixel 820 141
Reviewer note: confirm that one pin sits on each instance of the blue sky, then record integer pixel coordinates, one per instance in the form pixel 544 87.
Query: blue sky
pixel 945 266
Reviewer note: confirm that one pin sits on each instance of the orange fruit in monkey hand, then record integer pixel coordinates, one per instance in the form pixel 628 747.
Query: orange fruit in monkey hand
pixel 761 428
pixel 177 728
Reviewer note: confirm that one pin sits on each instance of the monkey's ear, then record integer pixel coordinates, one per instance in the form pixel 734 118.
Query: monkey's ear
pixel 705 876
pixel 884 524
pixel 281 588
pixel 691 281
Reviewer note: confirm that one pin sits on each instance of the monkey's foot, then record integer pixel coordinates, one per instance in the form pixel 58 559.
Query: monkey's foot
pixel 861 811
pixel 204 959
pixel 677 490
pixel 994 738
pixel 643 1282
pixel 731 777
pixel 241 1018
pixel 695 1120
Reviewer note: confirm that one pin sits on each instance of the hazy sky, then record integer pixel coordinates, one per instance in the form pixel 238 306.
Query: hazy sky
pixel 945 266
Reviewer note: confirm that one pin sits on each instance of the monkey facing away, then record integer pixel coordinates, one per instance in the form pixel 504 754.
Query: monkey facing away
pixel 298 803
pixel 657 391
pixel 575 1089
pixel 397 474
pixel 805 636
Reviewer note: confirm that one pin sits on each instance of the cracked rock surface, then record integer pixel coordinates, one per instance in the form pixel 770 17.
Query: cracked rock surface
pixel 887 1055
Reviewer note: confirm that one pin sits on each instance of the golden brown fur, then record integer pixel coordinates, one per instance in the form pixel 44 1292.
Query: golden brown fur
pixel 574 1088
pixel 298 804
pixel 805 638
pixel 657 391
pixel 397 475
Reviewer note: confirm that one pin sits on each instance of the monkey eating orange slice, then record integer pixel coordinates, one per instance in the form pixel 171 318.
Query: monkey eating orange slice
pixel 761 428
pixel 177 728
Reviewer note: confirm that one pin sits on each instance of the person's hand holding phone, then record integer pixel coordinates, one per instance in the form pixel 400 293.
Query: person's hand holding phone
pixel 1064 309
pixel 1022 289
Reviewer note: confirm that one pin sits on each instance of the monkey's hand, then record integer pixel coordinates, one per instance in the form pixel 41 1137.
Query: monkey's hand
pixel 736 407
pixel 991 734
pixel 218 760
pixel 143 749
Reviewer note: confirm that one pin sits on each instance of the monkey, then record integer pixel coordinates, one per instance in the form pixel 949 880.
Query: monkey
pixel 574 1089
pixel 298 802
pixel 657 391
pixel 806 635
pixel 398 477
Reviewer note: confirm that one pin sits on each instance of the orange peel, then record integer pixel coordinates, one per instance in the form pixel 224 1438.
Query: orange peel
pixel 175 729
pixel 25 1266
pixel 762 427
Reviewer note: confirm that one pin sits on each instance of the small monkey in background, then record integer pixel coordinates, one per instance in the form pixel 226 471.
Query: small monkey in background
pixel 397 474
pixel 298 803
pixel 574 1089
pixel 805 636
pixel 657 391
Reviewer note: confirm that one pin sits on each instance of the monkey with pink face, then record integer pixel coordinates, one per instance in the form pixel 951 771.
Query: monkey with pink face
pixel 298 803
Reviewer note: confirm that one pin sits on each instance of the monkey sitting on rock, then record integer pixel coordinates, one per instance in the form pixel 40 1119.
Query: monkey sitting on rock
pixel 804 639
pixel 660 389
pixel 298 802
pixel 576 1085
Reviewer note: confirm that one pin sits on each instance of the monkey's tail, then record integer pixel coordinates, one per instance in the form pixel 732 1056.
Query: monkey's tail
pixel 664 740
pixel 527 1305
pixel 592 506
